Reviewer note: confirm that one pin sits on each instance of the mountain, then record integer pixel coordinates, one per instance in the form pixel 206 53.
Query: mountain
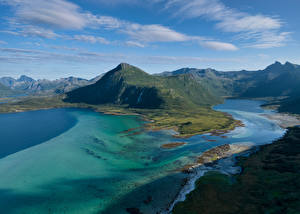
pixel 5 91
pixel 130 86
pixel 274 81
pixel 27 85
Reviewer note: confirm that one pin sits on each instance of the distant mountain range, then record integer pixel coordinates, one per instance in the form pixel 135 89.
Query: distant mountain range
pixel 27 85
pixel 129 85
pixel 5 91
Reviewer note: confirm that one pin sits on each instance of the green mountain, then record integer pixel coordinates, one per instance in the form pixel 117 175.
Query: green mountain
pixel 276 80
pixel 130 86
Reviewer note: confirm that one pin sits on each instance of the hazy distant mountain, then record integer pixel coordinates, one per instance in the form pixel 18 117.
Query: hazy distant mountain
pixel 129 85
pixel 95 79
pixel 27 85
pixel 5 91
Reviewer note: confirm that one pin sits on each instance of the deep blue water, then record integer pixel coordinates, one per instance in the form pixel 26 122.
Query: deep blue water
pixel 23 130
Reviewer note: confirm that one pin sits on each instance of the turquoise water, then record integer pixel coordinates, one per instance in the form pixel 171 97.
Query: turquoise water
pixel 92 166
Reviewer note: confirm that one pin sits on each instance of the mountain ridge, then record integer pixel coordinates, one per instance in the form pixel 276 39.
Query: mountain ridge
pixel 28 85
pixel 129 85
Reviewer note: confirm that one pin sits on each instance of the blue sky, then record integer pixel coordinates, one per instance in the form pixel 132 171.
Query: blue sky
pixel 60 38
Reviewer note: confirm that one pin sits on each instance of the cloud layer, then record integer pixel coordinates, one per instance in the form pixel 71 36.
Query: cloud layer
pixel 41 18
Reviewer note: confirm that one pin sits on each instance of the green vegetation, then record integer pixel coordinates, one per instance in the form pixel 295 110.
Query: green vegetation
pixel 277 80
pixel 278 84
pixel 179 100
pixel 269 183
pixel 187 123
pixel 176 102
pixel 128 85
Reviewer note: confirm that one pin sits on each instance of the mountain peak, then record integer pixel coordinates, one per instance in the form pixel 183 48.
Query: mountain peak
pixel 25 79
pixel 123 66
pixel 291 66
pixel 275 65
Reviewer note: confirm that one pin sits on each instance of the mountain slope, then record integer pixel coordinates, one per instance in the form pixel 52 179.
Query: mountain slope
pixel 274 81
pixel 130 86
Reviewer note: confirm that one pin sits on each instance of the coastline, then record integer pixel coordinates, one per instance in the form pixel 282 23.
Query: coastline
pixel 224 165
pixel 229 157
pixel 198 169
pixel 266 185
pixel 186 123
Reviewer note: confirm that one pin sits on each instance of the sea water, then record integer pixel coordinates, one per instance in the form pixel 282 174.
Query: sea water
pixel 80 161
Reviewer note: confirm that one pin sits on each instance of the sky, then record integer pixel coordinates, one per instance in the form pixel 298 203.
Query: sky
pixel 84 38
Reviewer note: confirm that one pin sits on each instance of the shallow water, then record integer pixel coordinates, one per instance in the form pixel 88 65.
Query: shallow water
pixel 93 166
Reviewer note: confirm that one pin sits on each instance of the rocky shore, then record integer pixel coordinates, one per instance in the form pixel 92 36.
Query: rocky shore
pixel 209 157
pixel 268 183
pixel 221 158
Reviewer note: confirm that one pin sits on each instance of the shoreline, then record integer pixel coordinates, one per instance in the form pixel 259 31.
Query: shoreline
pixel 259 188
pixel 224 165
pixel 155 120
pixel 198 170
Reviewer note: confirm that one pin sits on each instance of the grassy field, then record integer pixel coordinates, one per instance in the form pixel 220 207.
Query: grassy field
pixel 269 183
pixel 186 122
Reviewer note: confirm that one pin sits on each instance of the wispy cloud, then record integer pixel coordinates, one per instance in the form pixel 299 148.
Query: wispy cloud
pixel 251 27
pixel 14 55
pixel 220 46
pixel 134 44
pixel 91 39
pixel 37 32
pixel 42 18
pixel 55 13
pixel 270 40
pixel 153 33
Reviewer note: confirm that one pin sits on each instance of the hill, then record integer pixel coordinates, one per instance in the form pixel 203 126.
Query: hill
pixel 130 86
